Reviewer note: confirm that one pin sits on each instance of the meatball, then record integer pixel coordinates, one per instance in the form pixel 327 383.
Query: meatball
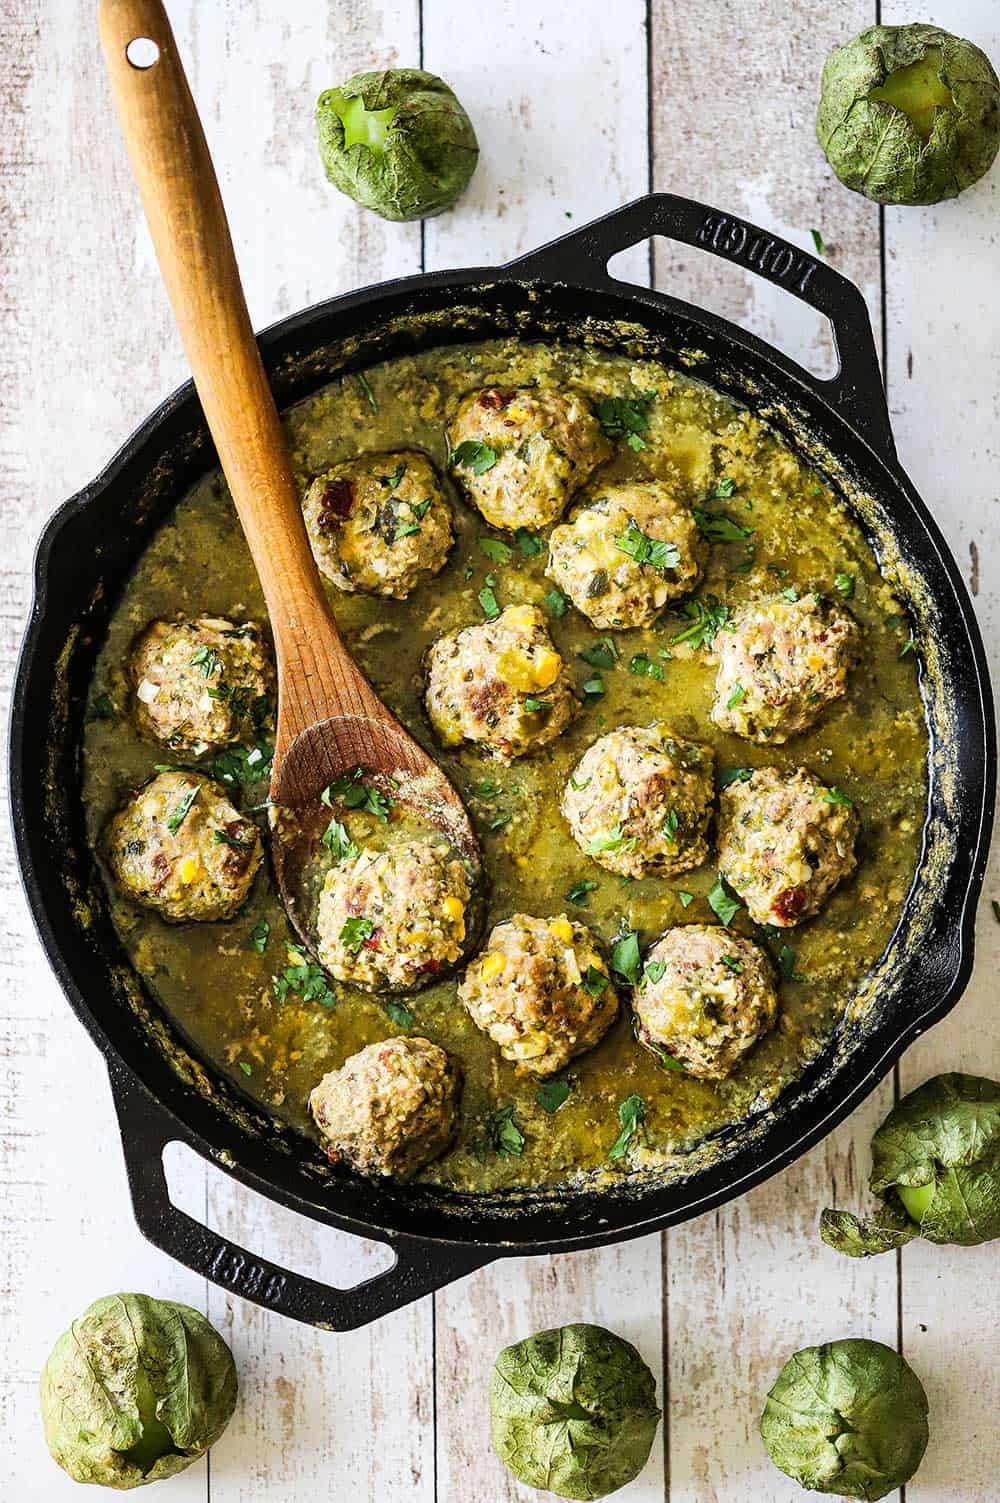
pixel 201 683
pixel 520 454
pixel 785 841
pixel 501 684
pixel 541 991
pixel 391 919
pixel 780 664
pixel 706 997
pixel 639 801
pixel 179 847
pixel 391 1108
pixel 622 556
pixel 380 523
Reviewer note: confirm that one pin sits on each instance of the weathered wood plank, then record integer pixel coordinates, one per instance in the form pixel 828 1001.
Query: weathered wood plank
pixel 66 1231
pixel 943 355
pixel 91 346
pixel 552 157
pixel 733 102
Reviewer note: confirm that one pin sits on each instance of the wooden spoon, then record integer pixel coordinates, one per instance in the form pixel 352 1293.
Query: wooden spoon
pixel 330 720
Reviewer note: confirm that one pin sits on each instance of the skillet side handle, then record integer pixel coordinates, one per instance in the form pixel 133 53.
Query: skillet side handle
pixel 856 391
pixel 419 1269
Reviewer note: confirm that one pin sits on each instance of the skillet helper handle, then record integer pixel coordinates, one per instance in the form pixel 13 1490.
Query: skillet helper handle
pixel 856 391
pixel 419 1269
pixel 180 194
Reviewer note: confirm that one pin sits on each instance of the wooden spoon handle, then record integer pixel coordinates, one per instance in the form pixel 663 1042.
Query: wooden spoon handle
pixel 180 194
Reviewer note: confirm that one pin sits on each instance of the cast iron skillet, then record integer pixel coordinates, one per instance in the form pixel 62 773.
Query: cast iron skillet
pixel 163 1093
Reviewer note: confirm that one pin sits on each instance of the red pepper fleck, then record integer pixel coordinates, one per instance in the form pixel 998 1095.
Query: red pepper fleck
pixel 789 905
pixel 338 501
pixel 374 940
pixel 495 400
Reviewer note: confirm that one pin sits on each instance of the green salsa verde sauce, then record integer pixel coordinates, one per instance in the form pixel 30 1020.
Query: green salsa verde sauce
pixel 217 980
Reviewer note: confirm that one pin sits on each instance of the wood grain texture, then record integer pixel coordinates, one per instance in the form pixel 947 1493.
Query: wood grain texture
pixel 88 347
pixel 943 359
pixel 734 93
pixel 547 164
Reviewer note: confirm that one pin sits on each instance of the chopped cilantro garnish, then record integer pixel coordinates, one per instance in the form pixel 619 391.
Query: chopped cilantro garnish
pixel 686 898
pixel 400 1014
pixel 501 1135
pixel 496 551
pixel 354 793
pixel 555 603
pixel 339 843
pixel 818 244
pixel 730 775
pixel 238 765
pixel 552 1094
pixel 355 932
pixel 719 528
pixel 208 660
pixel 302 979
pixel 369 394
pixel 183 809
pixel 632 1116
pixel 724 489
pixel 835 796
pixel 234 842
pixel 626 417
pixel 594 687
pixel 723 905
pixel 474 456
pixel 844 584
pixel 528 543
pixel 247 1069
pixel 578 892
pixel 732 964
pixel 625 958
pixel 737 697
pixel 652 972
pixel 259 936
pixel 603 654
pixel 487 598
pixel 646 550
pixel 613 841
pixel 643 666
pixel 707 616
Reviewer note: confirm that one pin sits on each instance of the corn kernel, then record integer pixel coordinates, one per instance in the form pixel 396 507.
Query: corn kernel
pixel 491 965
pixel 521 617
pixel 453 907
pixel 189 868
pixel 562 929
pixel 547 666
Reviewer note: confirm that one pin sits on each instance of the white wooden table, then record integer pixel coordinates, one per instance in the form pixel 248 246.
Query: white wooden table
pixel 578 108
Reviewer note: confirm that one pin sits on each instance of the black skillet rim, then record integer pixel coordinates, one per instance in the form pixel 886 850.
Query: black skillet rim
pixel 625 1217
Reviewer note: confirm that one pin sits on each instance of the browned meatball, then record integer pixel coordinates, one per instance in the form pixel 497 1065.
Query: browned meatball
pixel 785 842
pixel 705 998
pixel 541 991
pixel 781 663
pixel 519 454
pixel 201 683
pixel 380 523
pixel 639 801
pixel 501 684
pixel 179 847
pixel 391 1108
pixel 624 555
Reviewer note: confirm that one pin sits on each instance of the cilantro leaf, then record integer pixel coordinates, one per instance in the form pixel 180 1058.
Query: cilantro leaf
pixel 552 1094
pixel 474 456
pixel 626 417
pixel 722 903
pixel 632 1116
pixel 625 958
pixel 646 550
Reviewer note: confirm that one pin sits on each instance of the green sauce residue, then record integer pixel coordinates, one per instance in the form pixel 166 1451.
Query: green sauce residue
pixel 216 979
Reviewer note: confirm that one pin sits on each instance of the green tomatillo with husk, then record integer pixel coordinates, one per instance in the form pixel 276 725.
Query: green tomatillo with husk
pixel 909 114
pixel 936 1168
pixel 397 141
pixel 135 1391
pixel 848 1418
pixel 573 1411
